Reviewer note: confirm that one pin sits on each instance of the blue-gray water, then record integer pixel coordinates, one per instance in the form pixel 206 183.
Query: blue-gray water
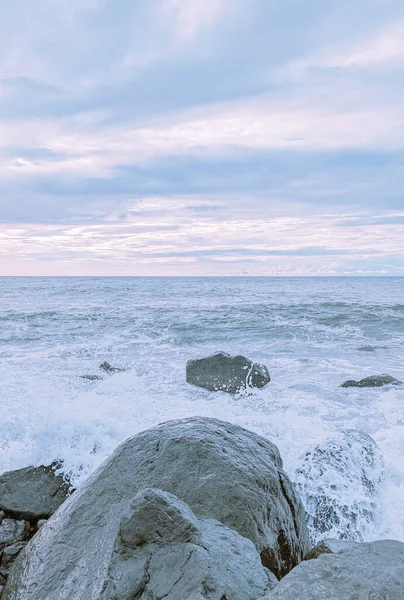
pixel 313 333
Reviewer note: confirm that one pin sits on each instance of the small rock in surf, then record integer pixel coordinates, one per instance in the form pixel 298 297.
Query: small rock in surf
pixel 372 381
pixel 222 372
pixel 105 366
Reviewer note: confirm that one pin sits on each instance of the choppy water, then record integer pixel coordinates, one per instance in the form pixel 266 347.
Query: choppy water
pixel 313 333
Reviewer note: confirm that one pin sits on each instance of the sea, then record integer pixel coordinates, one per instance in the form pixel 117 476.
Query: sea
pixel 312 333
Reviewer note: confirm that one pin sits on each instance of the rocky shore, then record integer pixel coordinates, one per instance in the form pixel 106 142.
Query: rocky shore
pixel 191 509
pixel 199 508
pixel 28 497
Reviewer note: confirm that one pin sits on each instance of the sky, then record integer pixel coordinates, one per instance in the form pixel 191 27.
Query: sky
pixel 201 137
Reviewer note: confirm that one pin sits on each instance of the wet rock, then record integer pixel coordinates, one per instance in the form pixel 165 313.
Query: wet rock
pixel 40 523
pixel 222 372
pixel 10 554
pixel 368 348
pixel 163 550
pixel 330 546
pixel 12 531
pixel 221 471
pixel 32 493
pixel 372 381
pixel 105 366
pixel 337 482
pixel 374 570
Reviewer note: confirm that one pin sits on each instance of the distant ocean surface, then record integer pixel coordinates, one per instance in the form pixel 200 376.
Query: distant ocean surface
pixel 312 333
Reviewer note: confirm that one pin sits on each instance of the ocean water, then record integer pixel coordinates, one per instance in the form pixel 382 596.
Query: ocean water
pixel 312 333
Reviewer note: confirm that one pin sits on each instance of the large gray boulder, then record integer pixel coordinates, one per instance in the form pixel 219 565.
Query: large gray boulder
pixel 32 493
pixel 163 550
pixel 222 372
pixel 338 481
pixel 372 381
pixel 221 471
pixel 370 571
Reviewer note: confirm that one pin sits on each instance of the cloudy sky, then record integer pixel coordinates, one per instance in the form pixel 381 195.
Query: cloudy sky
pixel 201 137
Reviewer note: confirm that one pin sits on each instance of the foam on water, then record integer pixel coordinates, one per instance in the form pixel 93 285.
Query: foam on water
pixel 310 332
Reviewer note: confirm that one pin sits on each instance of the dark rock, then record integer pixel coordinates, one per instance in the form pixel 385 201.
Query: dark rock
pixel 371 348
pixel 374 570
pixel 337 482
pixel 10 554
pixel 330 546
pixel 222 372
pixel 163 550
pixel 105 366
pixel 32 493
pixel 221 471
pixel 12 531
pixel 373 381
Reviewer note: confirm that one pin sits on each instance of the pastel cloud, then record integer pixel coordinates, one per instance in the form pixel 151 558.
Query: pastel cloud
pixel 201 137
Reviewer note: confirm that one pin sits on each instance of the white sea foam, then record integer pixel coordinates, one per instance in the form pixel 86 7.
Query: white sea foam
pixel 308 332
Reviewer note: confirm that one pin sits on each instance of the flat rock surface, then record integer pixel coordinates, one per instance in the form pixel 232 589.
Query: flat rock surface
pixel 370 571
pixel 222 372
pixel 32 493
pixel 222 471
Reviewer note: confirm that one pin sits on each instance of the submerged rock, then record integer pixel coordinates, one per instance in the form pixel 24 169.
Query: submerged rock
pixel 163 550
pixel 372 381
pixel 222 372
pixel 105 366
pixel 222 471
pixel 32 493
pixel 369 348
pixel 337 482
pixel 374 570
